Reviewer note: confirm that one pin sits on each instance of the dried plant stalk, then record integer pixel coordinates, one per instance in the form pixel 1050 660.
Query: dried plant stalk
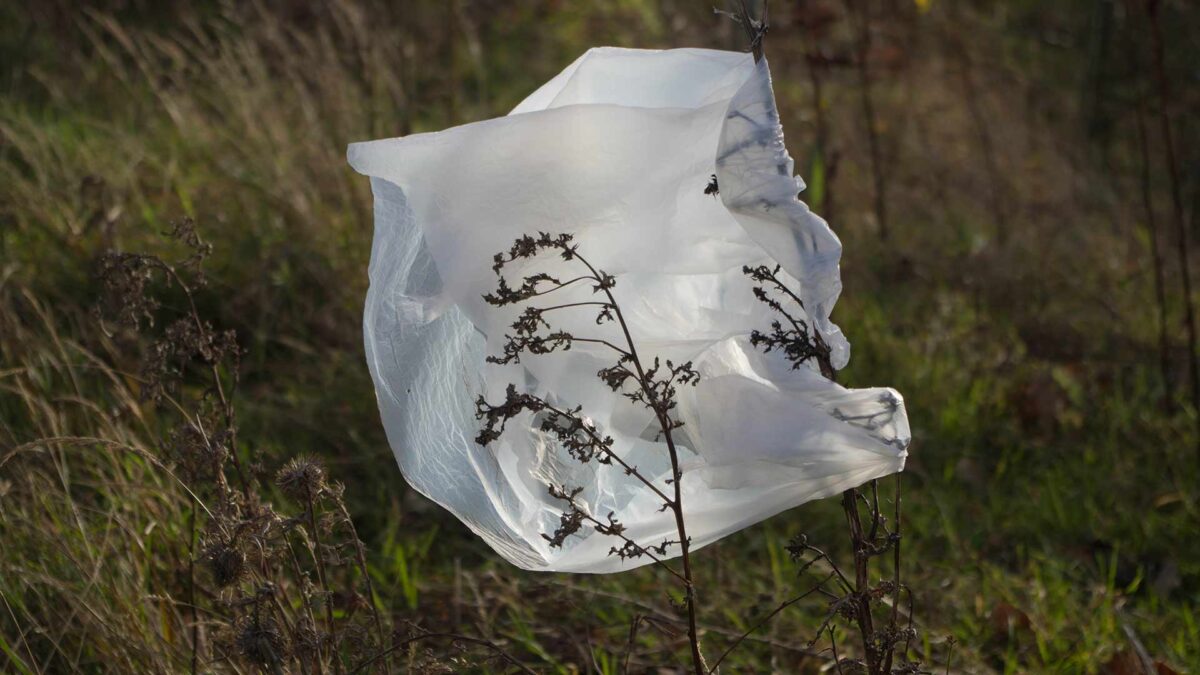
pixel 652 385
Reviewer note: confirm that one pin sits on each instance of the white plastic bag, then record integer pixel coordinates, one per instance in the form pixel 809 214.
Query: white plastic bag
pixel 617 150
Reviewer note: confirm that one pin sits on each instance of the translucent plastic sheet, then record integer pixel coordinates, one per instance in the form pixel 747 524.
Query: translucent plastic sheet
pixel 617 150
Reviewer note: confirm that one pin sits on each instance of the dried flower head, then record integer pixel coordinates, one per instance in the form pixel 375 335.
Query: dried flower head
pixel 301 478
pixel 226 562
pixel 260 641
pixel 308 639
pixel 123 279
pixel 185 232
pixel 199 454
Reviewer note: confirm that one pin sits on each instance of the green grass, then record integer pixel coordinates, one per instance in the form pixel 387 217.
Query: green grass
pixel 1050 500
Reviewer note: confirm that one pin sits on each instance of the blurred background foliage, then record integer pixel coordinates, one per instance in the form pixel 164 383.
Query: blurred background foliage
pixel 981 160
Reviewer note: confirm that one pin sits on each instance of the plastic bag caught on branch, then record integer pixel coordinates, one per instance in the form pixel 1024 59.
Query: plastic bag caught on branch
pixel 618 150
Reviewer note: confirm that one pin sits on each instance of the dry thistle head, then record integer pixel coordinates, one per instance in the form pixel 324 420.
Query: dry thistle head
pixel 260 641
pixel 301 478
pixel 226 562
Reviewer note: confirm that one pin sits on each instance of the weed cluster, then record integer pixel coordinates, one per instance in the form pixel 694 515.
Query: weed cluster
pixel 280 588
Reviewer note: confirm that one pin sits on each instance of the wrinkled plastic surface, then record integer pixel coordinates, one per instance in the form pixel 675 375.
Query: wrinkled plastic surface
pixel 617 150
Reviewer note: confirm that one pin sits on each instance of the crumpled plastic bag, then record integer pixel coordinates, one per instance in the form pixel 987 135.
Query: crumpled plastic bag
pixel 617 150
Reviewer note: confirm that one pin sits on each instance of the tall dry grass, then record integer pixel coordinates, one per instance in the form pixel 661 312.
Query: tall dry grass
pixel 91 519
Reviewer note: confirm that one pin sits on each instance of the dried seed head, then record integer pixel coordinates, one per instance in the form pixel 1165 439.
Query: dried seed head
pixel 301 478
pixel 260 641
pixel 226 563
pixel 308 639
pixel 124 279
pixel 199 455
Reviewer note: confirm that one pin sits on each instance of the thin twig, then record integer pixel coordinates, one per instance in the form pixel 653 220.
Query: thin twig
pixel 322 577
pixel 360 555
pixel 987 150
pixel 1156 258
pixel 227 409
pixel 816 62
pixel 1164 119
pixel 192 584
pixel 868 111
pixel 676 504
pixel 633 630
pixel 640 549
pixel 890 655
pixel 1139 649
pixel 629 469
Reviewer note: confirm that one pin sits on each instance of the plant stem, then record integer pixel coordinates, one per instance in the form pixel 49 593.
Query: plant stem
pixel 227 409
pixel 641 549
pixel 1164 100
pixel 676 504
pixel 690 587
pixel 868 110
pixel 828 161
pixel 1156 258
pixel 862 580
pixel 319 559
pixel 305 602
pixel 891 652
pixel 987 149
pixel 361 557
pixel 628 468
pixel 192 584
